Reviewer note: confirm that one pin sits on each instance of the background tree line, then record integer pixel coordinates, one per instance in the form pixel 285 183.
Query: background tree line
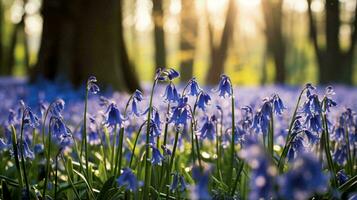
pixel 83 37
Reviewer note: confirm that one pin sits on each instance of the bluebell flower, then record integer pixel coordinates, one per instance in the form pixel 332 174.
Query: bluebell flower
pixel 92 86
pixel 340 155
pixel 203 100
pixel 342 177
pixel 312 137
pixel 304 179
pixel 181 112
pixel 166 150
pixel 194 88
pixel 93 137
pixel 172 74
pixel 128 180
pixel 308 88
pixel 239 134
pixel 224 86
pixel 114 116
pixel 208 129
pixel 154 129
pixel 278 104
pixel 58 129
pixel 261 123
pixel 38 148
pixel 312 105
pixel 28 153
pixel 57 107
pixel 30 118
pixel 314 123
pixel 138 95
pixel 12 119
pixel 178 183
pixel 157 158
pixel 338 134
pixel 171 93
pixel 296 146
pixel 200 189
pixel 262 171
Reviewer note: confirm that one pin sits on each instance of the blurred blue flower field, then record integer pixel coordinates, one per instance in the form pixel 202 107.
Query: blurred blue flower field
pixel 177 141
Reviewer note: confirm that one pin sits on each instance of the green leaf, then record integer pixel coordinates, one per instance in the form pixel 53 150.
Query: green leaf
pixel 109 184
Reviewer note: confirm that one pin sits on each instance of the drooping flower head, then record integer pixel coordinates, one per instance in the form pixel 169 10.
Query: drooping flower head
pixel 277 104
pixel 203 100
pixel 171 93
pixel 114 116
pixel 30 118
pixel 178 183
pixel 167 74
pixel 208 129
pixel 128 180
pixel 224 86
pixel 136 98
pixel 181 112
pixel 92 85
pixel 194 88
pixel 157 157
pixel 57 107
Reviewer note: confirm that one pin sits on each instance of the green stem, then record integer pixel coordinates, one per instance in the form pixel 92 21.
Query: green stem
pixel 69 177
pixel 16 155
pixel 147 147
pixel 349 156
pixel 119 152
pixel 113 150
pixel 232 142
pixel 287 143
pixel 169 169
pixel 56 176
pixel 23 163
pixel 47 161
pixel 84 136
pixel 238 175
pixel 326 141
pixel 271 136
pixel 135 143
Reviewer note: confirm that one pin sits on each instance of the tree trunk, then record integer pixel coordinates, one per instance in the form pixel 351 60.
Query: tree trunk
pixel 159 34
pixel 82 38
pixel 274 36
pixel 188 36
pixel 335 64
pixel 219 52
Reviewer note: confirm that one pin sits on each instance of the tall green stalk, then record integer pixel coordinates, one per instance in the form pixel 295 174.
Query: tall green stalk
pixel 147 147
pixel 22 155
pixel 283 155
pixel 84 135
pixel 232 141
pixel 16 155
pixel 47 161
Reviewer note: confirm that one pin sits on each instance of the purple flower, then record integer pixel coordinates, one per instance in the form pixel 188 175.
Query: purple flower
pixel 171 93
pixel 278 104
pixel 303 179
pixel 203 100
pixel 194 88
pixel 92 86
pixel 114 117
pixel 128 180
pixel 57 107
pixel 178 183
pixel 181 112
pixel 30 118
pixel 224 86
pixel 200 189
pixel 157 158
pixel 208 129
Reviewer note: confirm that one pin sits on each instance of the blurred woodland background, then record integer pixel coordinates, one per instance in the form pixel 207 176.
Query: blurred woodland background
pixel 123 41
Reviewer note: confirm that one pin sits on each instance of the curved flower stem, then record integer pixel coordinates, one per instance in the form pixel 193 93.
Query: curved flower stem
pixel 56 175
pixel 84 135
pixel 349 156
pixel 147 183
pixel 271 136
pixel 135 143
pixel 113 150
pixel 219 173
pixel 288 140
pixel 47 161
pixel 232 143
pixel 238 175
pixel 22 155
pixel 326 142
pixel 16 155
pixel 69 178
pixel 169 169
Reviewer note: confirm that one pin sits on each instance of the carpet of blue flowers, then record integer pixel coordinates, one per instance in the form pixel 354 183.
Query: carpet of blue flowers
pixel 177 142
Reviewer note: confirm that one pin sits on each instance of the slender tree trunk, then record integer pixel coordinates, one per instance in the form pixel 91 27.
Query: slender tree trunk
pixel 82 38
pixel 159 34
pixel 188 38
pixel 219 52
pixel 335 64
pixel 274 36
